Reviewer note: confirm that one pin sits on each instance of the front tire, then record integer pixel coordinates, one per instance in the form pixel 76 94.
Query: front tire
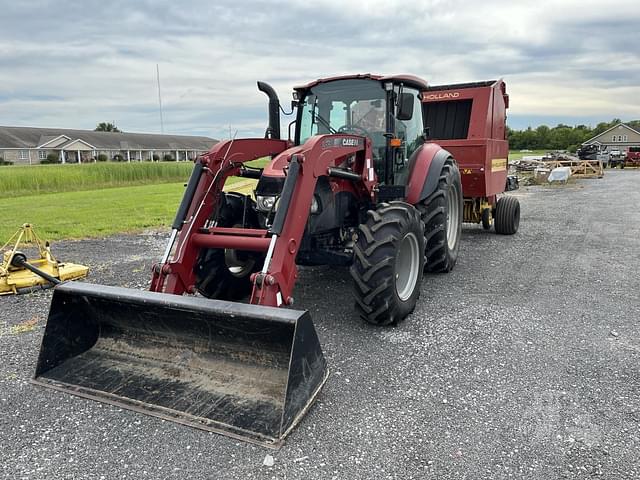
pixel 388 263
pixel 225 274
pixel 441 213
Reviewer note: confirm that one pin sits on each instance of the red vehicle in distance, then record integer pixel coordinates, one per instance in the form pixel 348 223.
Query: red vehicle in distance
pixel 632 159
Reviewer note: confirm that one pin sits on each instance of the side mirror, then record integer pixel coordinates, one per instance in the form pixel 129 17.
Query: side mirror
pixel 405 108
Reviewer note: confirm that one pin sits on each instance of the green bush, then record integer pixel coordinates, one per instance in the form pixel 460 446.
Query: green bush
pixel 156 157
pixel 118 158
pixel 167 158
pixel 5 162
pixel 51 158
pixel 102 157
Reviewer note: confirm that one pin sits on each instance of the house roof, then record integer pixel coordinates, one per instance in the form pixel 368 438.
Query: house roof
pixel 47 139
pixel 32 137
pixel 592 139
pixel 76 141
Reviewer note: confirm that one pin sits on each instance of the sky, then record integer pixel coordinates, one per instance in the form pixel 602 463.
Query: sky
pixel 73 64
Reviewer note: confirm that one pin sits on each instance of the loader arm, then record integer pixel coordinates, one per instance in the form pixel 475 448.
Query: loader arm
pixel 273 286
pixel 224 160
pixel 319 156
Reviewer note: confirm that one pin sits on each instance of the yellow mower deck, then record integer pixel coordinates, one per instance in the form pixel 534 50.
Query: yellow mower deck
pixel 15 279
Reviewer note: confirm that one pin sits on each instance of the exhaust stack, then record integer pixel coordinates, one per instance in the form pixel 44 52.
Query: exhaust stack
pixel 273 130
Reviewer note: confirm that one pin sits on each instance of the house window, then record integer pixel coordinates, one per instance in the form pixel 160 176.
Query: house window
pixel 42 154
pixel 625 138
pixel 619 138
pixel 23 155
pixel 613 139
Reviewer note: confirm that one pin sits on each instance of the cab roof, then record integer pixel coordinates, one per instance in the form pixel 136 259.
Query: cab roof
pixel 408 80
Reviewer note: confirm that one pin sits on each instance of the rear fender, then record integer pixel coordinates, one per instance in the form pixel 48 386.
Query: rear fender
pixel 425 166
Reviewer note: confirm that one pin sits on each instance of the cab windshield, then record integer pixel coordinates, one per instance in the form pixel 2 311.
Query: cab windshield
pixel 345 106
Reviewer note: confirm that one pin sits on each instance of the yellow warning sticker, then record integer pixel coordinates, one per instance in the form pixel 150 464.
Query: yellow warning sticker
pixel 498 164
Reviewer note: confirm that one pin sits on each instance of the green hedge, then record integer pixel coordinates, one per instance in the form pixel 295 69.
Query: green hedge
pixel 51 158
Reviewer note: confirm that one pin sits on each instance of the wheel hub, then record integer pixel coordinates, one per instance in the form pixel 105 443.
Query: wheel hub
pixel 238 267
pixel 453 216
pixel 407 266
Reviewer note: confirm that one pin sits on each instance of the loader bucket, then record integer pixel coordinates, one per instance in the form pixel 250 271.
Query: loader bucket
pixel 246 371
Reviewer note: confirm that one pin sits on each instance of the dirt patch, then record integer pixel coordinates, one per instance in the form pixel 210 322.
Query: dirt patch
pixel 25 326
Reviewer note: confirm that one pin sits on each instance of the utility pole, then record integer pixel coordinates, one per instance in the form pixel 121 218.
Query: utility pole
pixel 160 99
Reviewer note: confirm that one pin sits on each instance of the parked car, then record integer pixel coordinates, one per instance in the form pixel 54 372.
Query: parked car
pixel 616 159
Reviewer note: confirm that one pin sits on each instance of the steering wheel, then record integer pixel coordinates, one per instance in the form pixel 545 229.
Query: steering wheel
pixel 358 130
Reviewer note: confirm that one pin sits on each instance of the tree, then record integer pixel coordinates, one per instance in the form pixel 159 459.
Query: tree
pixel 106 127
pixel 560 137
pixel 543 136
pixel 635 124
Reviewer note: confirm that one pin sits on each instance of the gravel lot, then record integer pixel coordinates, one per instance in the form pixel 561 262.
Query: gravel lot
pixel 524 362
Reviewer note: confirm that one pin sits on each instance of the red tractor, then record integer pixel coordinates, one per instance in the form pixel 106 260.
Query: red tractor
pixel 370 179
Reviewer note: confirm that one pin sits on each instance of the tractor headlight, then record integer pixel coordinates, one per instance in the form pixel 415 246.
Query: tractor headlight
pixel 315 205
pixel 266 203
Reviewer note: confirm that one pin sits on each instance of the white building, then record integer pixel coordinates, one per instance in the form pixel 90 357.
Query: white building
pixel 30 145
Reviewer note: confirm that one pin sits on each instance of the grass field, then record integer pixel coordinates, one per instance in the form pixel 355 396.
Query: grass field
pixel 37 179
pixel 91 213
pixel 81 201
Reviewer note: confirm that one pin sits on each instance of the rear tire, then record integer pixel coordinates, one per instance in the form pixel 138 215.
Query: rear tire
pixel 507 215
pixel 441 213
pixel 388 262
pixel 225 274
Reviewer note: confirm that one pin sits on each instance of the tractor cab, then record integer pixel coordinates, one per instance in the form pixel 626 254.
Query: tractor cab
pixel 386 110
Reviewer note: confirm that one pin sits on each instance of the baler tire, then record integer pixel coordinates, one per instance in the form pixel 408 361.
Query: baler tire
pixel 507 215
pixel 487 220
pixel 214 278
pixel 388 262
pixel 440 255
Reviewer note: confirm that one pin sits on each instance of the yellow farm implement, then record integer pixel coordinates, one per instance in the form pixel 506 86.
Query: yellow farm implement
pixel 18 273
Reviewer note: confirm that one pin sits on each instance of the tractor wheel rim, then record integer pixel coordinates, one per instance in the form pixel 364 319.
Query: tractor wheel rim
pixel 453 216
pixel 238 268
pixel 407 266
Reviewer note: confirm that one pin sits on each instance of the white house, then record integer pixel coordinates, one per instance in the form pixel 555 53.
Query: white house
pixel 30 145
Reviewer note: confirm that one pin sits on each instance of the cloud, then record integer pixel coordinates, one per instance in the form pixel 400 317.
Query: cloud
pixel 74 64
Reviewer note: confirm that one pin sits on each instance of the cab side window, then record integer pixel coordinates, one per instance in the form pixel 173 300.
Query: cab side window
pixel 410 131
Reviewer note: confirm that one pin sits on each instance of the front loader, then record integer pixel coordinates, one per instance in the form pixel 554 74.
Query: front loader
pixel 358 184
